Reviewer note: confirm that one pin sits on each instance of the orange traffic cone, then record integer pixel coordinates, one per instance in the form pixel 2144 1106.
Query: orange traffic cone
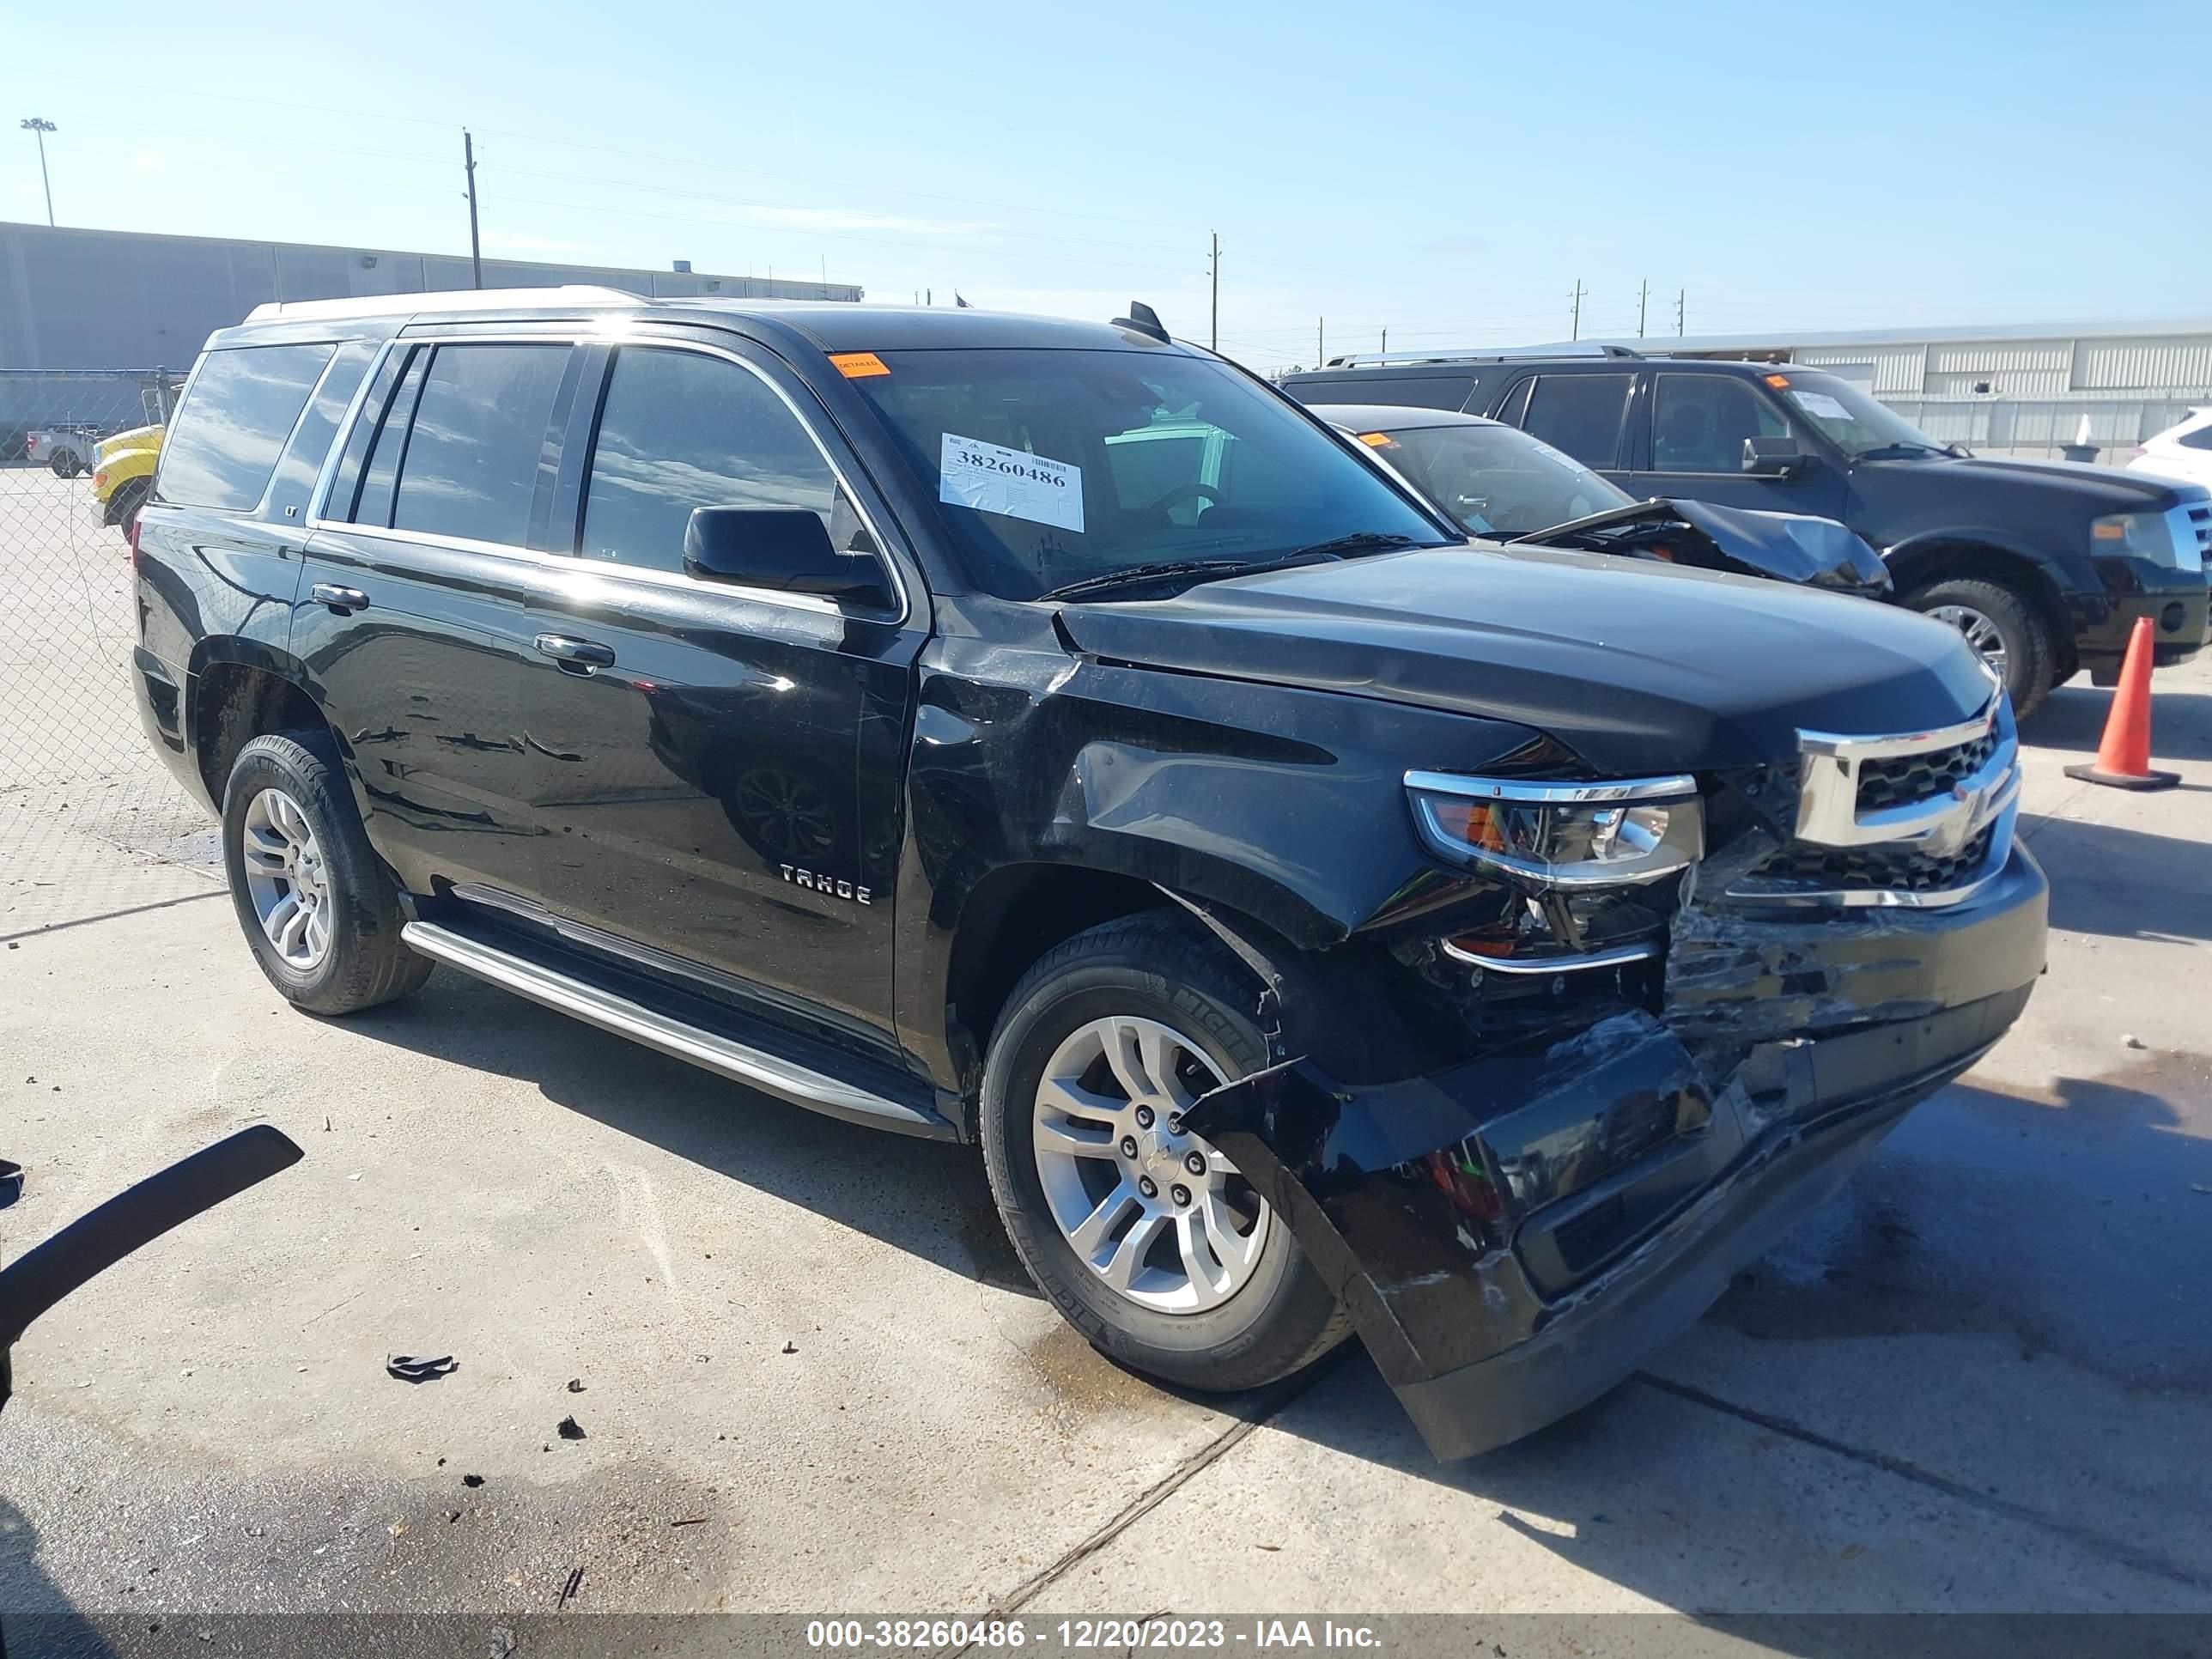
pixel 2124 753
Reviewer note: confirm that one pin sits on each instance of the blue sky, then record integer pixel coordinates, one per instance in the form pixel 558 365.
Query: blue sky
pixel 1447 171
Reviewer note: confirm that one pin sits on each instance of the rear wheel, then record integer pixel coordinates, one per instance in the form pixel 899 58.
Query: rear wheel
pixel 1146 1237
pixel 2003 625
pixel 65 465
pixel 319 908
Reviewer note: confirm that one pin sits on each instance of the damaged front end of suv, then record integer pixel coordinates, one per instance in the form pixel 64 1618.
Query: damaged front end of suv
pixel 1695 1004
pixel 1588 960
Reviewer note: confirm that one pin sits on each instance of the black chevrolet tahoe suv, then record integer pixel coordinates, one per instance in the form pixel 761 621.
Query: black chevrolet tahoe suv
pixel 1049 736
pixel 2045 565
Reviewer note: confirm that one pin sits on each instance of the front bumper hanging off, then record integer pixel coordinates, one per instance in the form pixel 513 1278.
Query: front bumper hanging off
pixel 1514 1235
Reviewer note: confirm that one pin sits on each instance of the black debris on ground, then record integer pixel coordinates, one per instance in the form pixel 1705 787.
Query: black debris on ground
pixel 408 1368
pixel 569 1429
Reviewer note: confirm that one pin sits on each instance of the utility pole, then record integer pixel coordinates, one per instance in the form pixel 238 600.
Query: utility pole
pixel 41 126
pixel 1579 291
pixel 1680 294
pixel 1386 342
pixel 1213 270
pixel 1642 296
pixel 1321 329
pixel 476 247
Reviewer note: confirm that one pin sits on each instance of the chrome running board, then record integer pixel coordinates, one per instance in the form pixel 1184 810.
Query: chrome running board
pixel 772 1074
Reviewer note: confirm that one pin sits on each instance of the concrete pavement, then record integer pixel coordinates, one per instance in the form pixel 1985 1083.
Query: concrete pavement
pixel 1977 1380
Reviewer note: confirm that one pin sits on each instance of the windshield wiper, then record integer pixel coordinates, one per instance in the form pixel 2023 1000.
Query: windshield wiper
pixel 1159 570
pixel 1895 452
pixel 1140 575
pixel 1361 541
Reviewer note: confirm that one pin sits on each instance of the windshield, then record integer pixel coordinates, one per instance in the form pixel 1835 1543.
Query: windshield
pixel 1052 467
pixel 1853 422
pixel 1493 480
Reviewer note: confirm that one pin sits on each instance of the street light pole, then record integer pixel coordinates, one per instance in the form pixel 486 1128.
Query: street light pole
pixel 41 126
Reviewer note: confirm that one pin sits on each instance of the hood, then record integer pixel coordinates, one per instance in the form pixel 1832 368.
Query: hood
pixel 139 437
pixel 2090 489
pixel 1791 547
pixel 1641 668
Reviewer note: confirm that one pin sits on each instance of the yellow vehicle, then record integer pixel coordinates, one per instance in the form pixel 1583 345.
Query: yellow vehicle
pixel 122 473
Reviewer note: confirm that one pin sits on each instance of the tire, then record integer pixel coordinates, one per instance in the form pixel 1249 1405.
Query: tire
pixel 128 500
pixel 361 962
pixel 1159 967
pixel 2014 619
pixel 64 464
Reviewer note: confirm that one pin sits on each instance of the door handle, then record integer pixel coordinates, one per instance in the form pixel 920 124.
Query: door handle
pixel 344 600
pixel 575 656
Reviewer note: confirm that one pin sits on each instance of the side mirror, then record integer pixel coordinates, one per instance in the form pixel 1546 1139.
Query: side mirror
pixel 1773 458
pixel 786 549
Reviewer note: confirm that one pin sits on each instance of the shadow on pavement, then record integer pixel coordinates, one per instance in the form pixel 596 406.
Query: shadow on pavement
pixel 2066 1225
pixel 2073 718
pixel 2128 883
pixel 35 1617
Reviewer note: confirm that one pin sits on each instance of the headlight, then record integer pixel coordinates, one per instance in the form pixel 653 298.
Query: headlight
pixel 1545 836
pixel 2140 535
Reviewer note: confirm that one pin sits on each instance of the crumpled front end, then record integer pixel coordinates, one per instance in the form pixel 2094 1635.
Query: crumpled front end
pixel 1516 1230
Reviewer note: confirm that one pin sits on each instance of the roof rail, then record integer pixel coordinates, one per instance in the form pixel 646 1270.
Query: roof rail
pixel 478 299
pixel 1504 354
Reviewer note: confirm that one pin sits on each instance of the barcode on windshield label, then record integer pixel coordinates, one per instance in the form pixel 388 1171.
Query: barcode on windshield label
pixel 991 479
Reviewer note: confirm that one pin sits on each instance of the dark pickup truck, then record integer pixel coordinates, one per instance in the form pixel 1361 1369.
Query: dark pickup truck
pixel 2046 567
pixel 1049 736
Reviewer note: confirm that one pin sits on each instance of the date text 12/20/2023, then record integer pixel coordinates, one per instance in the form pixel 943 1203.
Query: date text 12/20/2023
pixel 1087 1635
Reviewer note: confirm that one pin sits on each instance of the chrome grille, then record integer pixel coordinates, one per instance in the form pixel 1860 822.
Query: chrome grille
pixel 1902 780
pixel 1916 818
pixel 1891 869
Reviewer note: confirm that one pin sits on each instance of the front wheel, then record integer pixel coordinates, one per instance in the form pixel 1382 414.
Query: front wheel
pixel 319 908
pixel 128 500
pixel 2003 626
pixel 1146 1237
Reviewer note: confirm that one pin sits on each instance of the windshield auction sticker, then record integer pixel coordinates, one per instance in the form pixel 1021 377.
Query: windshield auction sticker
pixel 1821 406
pixel 972 473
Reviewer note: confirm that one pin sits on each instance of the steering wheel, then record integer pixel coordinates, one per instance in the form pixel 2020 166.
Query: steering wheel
pixel 1182 493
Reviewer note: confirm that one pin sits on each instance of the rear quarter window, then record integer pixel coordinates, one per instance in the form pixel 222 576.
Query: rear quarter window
pixel 228 432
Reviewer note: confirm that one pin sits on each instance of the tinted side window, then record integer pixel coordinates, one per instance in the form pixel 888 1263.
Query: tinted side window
pixel 311 440
pixel 1406 392
pixel 1580 414
pixel 470 465
pixel 2200 438
pixel 679 430
pixel 379 471
pixel 224 442
pixel 1699 421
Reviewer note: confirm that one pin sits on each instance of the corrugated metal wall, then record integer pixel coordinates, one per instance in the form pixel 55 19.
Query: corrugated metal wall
pixel 2027 396
pixel 90 298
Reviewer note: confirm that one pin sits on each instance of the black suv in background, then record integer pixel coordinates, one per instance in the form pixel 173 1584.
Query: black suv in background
pixel 2045 565
pixel 1049 736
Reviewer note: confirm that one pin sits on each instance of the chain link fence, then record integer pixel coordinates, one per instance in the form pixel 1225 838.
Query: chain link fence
pixel 84 805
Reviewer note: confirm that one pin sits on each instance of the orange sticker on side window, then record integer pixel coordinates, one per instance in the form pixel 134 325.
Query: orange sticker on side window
pixel 858 365
pixel 1377 439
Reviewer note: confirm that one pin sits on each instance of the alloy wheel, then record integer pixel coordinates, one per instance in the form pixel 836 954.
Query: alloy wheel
pixel 1159 1215
pixel 1981 632
pixel 287 880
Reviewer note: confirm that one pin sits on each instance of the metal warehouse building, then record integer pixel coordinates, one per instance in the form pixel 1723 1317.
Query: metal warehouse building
pixel 77 301
pixel 2004 390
